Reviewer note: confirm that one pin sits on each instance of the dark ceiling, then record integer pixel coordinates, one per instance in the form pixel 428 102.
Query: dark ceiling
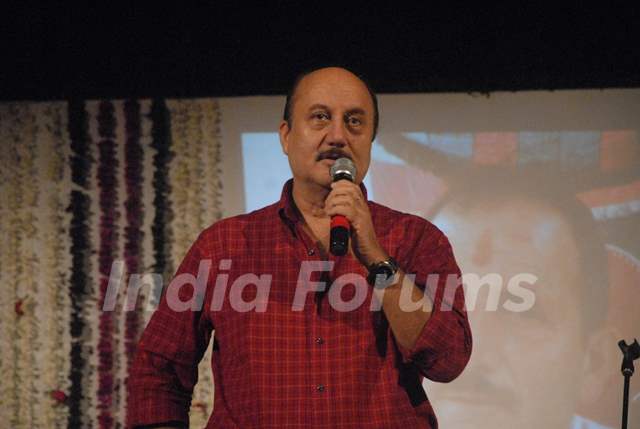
pixel 54 52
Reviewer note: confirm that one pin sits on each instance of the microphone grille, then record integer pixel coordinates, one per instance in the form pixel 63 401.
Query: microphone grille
pixel 343 168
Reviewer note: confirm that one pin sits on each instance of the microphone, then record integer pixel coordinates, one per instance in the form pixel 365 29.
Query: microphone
pixel 342 169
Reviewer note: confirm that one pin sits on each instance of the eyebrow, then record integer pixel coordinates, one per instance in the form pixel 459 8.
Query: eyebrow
pixel 354 111
pixel 318 106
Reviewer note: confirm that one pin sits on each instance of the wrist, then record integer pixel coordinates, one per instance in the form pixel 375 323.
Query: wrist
pixel 383 274
pixel 378 255
pixel 375 259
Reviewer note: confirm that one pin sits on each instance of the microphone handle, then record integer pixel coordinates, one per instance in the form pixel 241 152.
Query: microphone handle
pixel 340 227
pixel 339 238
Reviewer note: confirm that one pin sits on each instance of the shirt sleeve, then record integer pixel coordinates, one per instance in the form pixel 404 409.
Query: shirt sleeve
pixel 165 368
pixel 443 347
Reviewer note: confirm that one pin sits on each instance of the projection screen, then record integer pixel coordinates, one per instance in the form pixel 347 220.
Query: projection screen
pixel 539 193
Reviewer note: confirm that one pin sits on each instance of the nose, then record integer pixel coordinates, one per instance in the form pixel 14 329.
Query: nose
pixel 337 135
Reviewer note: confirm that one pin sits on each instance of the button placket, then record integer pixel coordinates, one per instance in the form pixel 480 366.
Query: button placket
pixel 306 241
pixel 317 342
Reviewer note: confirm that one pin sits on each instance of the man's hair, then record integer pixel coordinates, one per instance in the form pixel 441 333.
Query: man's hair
pixel 288 105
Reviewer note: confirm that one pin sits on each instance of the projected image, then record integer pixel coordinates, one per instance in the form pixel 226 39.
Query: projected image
pixel 549 204
pixel 562 206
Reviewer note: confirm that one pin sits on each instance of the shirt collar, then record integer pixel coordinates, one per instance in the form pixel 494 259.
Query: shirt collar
pixel 287 209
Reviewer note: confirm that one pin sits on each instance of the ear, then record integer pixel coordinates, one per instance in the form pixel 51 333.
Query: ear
pixel 284 130
pixel 600 366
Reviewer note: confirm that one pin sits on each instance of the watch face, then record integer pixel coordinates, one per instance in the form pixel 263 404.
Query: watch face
pixel 383 276
pixel 386 270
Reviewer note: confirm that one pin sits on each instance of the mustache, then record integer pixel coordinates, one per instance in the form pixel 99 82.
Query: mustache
pixel 333 154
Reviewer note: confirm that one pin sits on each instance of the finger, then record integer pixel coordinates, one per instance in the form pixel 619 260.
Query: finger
pixel 344 210
pixel 349 188
pixel 344 185
pixel 336 192
pixel 353 191
pixel 339 201
pixel 339 193
pixel 341 198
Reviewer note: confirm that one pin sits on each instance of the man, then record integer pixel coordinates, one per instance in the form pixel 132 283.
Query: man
pixel 302 356
pixel 538 367
pixel 530 368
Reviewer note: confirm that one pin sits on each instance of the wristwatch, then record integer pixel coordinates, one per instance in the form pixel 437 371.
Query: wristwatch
pixel 383 274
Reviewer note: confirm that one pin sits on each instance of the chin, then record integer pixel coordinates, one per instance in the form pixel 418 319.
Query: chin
pixel 322 178
pixel 324 183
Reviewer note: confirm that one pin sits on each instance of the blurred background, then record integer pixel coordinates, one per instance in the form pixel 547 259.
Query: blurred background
pixel 125 132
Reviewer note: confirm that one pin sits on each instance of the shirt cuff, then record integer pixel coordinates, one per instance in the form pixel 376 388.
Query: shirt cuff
pixel 443 346
pixel 155 395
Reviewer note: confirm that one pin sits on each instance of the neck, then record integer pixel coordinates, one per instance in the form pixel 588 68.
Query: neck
pixel 309 198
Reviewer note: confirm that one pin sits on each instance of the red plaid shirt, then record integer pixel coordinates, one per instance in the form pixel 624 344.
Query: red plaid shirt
pixel 315 367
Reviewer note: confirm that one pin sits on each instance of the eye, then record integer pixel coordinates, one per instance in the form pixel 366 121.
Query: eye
pixel 320 116
pixel 354 121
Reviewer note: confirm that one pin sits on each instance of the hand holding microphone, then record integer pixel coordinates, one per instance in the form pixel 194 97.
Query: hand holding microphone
pixel 351 217
pixel 342 169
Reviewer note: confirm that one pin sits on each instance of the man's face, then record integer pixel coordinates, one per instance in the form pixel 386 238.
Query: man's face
pixel 526 367
pixel 332 110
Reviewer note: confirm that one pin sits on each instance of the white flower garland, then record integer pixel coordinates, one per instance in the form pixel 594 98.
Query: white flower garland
pixel 53 305
pixel 188 190
pixel 8 205
pixel 36 262
pixel 57 260
pixel 35 257
pixel 33 270
pixel 17 264
pixel 203 391
pixel 21 340
pixel 212 148
pixel 179 180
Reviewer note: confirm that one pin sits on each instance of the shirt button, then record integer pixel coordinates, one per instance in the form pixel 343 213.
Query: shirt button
pixel 319 340
pixel 311 252
pixel 320 387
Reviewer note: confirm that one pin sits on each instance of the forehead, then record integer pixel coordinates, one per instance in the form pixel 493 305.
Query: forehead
pixel 515 236
pixel 511 238
pixel 336 89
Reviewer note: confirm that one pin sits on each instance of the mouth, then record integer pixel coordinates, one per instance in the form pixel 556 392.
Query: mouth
pixel 332 155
